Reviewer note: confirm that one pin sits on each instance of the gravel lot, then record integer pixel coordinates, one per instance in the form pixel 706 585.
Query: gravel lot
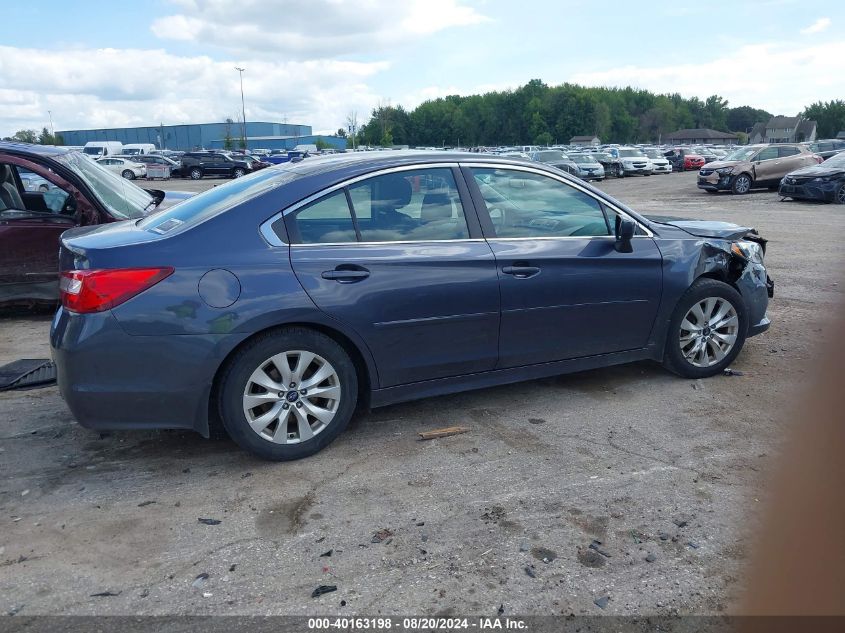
pixel 643 461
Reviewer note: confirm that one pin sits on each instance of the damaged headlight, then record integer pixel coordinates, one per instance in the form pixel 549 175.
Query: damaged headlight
pixel 724 171
pixel 751 251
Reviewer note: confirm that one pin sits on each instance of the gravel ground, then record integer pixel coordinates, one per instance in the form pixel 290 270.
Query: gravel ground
pixel 668 474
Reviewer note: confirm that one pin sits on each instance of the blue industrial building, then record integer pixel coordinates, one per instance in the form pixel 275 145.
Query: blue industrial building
pixel 260 134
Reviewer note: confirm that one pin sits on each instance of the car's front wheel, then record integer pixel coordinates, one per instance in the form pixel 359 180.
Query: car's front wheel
pixel 707 330
pixel 741 184
pixel 128 174
pixel 288 394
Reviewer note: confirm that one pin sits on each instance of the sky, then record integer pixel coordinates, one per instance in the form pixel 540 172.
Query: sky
pixel 99 63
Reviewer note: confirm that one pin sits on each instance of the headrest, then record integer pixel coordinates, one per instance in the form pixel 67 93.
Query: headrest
pixel 5 173
pixel 435 206
pixel 393 191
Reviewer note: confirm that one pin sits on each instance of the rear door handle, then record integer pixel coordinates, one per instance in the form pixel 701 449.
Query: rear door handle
pixel 345 276
pixel 521 272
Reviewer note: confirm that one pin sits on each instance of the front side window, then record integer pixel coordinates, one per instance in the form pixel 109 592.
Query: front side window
pixel 413 205
pixel 767 154
pixel 524 204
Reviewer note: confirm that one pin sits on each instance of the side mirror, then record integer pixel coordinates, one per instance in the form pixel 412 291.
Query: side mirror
pixel 625 229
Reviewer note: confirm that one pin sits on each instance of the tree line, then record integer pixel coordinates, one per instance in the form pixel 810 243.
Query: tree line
pixel 540 114
pixel 35 137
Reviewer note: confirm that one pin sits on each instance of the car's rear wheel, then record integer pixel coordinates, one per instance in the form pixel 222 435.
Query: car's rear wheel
pixel 195 173
pixel 707 330
pixel 288 394
pixel 128 174
pixel 238 173
pixel 741 184
pixel 839 197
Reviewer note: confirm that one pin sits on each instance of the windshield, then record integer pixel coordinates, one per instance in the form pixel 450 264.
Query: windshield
pixel 581 158
pixel 603 157
pixel 837 160
pixel 131 151
pixel 653 153
pixel 93 151
pixel 217 200
pixel 742 154
pixel 545 157
pixel 123 199
pixel 631 153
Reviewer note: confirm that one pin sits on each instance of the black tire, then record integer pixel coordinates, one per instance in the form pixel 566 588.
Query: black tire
pixel 234 379
pixel 238 172
pixel 128 174
pixel 741 184
pixel 701 289
pixel 839 195
pixel 195 173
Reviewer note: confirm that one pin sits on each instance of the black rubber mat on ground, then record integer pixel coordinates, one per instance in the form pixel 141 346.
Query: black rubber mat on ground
pixel 27 373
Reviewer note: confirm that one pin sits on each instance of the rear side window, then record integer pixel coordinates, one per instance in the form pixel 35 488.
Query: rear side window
pixel 420 205
pixel 325 221
pixel 416 205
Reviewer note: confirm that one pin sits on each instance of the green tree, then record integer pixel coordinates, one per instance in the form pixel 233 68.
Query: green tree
pixel 829 116
pixel 743 118
pixel 24 136
pixel 321 144
pixel 341 132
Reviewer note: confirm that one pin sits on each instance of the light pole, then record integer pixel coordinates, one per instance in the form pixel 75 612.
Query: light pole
pixel 243 107
pixel 52 131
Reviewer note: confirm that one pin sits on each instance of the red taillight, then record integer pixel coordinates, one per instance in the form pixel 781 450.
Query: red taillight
pixel 98 290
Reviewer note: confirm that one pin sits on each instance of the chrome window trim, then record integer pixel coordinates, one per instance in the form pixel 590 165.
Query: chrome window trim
pixel 272 239
pixel 563 180
pixel 463 239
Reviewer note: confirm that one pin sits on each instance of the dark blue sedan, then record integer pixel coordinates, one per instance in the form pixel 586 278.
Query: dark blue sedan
pixel 275 305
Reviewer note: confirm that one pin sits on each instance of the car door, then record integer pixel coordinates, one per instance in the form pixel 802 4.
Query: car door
pixel 566 292
pixel 791 158
pixel 399 258
pixel 766 167
pixel 29 236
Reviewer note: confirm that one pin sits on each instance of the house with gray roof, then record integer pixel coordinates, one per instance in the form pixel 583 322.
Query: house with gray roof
pixel 784 129
pixel 700 136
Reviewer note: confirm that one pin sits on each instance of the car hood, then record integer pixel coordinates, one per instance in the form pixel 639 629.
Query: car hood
pixel 705 228
pixel 718 164
pixel 817 171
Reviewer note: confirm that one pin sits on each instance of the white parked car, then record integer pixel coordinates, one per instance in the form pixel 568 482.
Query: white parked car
pixel 127 168
pixel 632 159
pixel 659 163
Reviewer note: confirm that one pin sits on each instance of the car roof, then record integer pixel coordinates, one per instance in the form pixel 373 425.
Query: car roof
pixel 29 148
pixel 378 159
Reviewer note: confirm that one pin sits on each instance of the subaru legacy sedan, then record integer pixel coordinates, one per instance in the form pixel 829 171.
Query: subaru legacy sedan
pixel 276 305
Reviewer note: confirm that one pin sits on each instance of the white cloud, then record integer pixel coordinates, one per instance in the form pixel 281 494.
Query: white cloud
pixel 312 29
pixel 781 79
pixel 115 88
pixel 816 27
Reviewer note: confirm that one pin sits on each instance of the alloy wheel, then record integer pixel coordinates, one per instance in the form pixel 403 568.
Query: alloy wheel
pixel 840 195
pixel 709 331
pixel 291 397
pixel 743 184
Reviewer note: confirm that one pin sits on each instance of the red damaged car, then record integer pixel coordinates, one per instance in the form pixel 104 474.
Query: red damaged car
pixel 45 191
pixel 684 159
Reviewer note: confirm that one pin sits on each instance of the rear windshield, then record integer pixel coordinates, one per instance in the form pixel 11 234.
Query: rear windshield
pixel 218 199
